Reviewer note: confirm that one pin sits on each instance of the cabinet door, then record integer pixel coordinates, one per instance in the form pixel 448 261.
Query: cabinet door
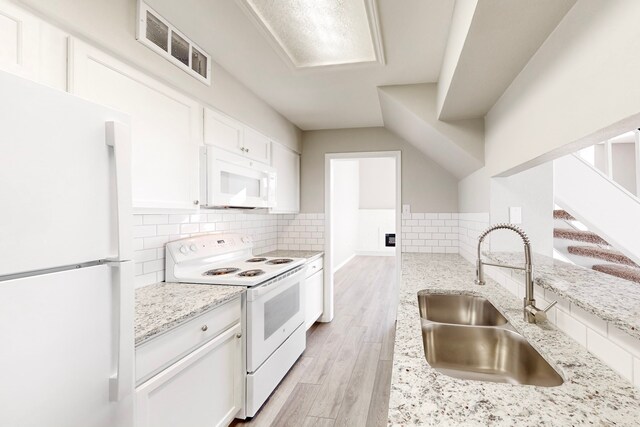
pixel 18 41
pixel 31 48
pixel 314 296
pixel 256 145
pixel 203 389
pixel 287 165
pixel 165 126
pixel 223 131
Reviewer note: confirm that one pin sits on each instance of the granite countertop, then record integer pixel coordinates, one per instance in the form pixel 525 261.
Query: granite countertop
pixel 163 306
pixel 309 255
pixel 592 393
pixel 610 298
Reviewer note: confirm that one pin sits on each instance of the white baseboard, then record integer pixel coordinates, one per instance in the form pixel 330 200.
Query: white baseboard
pixel 343 263
pixel 376 253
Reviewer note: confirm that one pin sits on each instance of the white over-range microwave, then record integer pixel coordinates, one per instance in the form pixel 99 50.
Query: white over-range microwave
pixel 228 180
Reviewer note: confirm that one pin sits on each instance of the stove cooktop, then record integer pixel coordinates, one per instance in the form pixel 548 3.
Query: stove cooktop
pixel 241 271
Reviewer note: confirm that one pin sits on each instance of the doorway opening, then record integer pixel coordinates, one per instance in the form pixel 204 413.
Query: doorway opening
pixel 362 217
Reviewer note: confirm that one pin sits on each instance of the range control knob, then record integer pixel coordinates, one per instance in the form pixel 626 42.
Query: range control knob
pixel 193 248
pixel 184 250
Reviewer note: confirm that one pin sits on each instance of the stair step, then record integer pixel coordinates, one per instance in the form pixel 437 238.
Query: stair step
pixel 578 235
pixel 628 273
pixel 610 255
pixel 562 214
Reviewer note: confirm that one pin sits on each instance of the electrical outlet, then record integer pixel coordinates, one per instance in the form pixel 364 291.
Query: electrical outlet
pixel 406 209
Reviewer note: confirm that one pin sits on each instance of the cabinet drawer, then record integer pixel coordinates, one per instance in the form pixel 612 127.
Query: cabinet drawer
pixel 314 266
pixel 162 351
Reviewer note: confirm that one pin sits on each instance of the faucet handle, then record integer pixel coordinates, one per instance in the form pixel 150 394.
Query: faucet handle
pixel 549 306
pixel 535 315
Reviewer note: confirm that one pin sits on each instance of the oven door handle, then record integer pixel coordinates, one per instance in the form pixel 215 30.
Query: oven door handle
pixel 267 288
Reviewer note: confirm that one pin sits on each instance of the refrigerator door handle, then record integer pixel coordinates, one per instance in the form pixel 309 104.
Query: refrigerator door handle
pixel 118 136
pixel 121 382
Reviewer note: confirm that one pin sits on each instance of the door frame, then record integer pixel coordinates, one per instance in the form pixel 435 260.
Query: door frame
pixel 327 315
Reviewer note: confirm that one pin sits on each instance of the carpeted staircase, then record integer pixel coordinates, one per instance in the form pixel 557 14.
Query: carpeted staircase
pixel 596 253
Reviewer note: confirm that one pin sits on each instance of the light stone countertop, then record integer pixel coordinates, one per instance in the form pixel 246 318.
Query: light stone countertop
pixel 163 306
pixel 592 394
pixel 309 255
pixel 610 298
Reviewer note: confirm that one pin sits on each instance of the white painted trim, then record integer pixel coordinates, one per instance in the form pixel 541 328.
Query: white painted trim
pixel 327 315
pixel 343 263
pixel 375 253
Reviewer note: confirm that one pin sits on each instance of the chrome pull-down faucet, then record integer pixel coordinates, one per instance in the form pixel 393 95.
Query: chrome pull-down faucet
pixel 532 314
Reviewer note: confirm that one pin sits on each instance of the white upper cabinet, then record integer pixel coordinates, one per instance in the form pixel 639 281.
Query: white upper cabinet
pixel 227 133
pixel 287 165
pixel 257 146
pixel 31 48
pixel 222 131
pixel 166 127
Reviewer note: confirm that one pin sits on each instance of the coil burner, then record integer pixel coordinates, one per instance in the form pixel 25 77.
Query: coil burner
pixel 251 273
pixel 279 261
pixel 256 260
pixel 220 271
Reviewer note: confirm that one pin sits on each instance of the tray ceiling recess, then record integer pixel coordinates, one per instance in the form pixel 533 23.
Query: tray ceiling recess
pixel 319 33
pixel 159 35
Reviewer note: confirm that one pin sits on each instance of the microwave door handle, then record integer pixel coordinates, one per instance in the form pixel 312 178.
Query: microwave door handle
pixel 118 137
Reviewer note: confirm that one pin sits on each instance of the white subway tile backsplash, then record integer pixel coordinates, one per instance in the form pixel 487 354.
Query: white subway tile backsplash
pixel 155 219
pixel 624 340
pixel 168 229
pixel 613 355
pixel 189 228
pixel 144 230
pixel 144 255
pixel 178 219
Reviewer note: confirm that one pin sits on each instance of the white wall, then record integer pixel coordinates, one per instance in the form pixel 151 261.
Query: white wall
pixel 624 165
pixel 532 190
pixel 463 12
pixel 473 192
pixel 425 184
pixel 378 183
pixel 582 80
pixel 377 213
pixel 111 25
pixel 344 210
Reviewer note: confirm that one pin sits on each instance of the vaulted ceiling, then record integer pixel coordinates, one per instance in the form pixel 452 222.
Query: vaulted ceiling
pixel 445 64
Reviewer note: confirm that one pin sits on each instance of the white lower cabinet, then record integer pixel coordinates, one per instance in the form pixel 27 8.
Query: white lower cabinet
pixel 203 389
pixel 192 375
pixel 314 292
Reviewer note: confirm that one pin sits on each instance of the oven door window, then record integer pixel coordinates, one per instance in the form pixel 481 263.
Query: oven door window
pixel 279 309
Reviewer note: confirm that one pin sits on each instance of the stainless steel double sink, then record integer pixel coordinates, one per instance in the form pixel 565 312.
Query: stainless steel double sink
pixel 466 337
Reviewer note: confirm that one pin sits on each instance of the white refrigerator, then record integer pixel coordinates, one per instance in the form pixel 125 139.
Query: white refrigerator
pixel 66 275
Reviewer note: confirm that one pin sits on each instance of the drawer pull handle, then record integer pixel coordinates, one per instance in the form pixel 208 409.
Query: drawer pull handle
pixel 204 328
pixel 239 335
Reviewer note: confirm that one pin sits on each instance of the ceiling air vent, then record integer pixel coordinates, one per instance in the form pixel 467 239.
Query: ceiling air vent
pixel 160 36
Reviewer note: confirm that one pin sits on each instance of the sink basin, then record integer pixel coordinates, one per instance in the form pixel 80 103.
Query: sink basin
pixel 486 354
pixel 459 310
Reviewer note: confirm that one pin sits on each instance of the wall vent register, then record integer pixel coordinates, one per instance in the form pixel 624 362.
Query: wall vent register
pixel 160 36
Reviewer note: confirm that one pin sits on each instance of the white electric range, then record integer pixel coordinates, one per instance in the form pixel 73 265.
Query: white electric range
pixel 274 308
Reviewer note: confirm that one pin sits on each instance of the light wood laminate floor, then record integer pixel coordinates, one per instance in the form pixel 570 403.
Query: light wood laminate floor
pixel 343 377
